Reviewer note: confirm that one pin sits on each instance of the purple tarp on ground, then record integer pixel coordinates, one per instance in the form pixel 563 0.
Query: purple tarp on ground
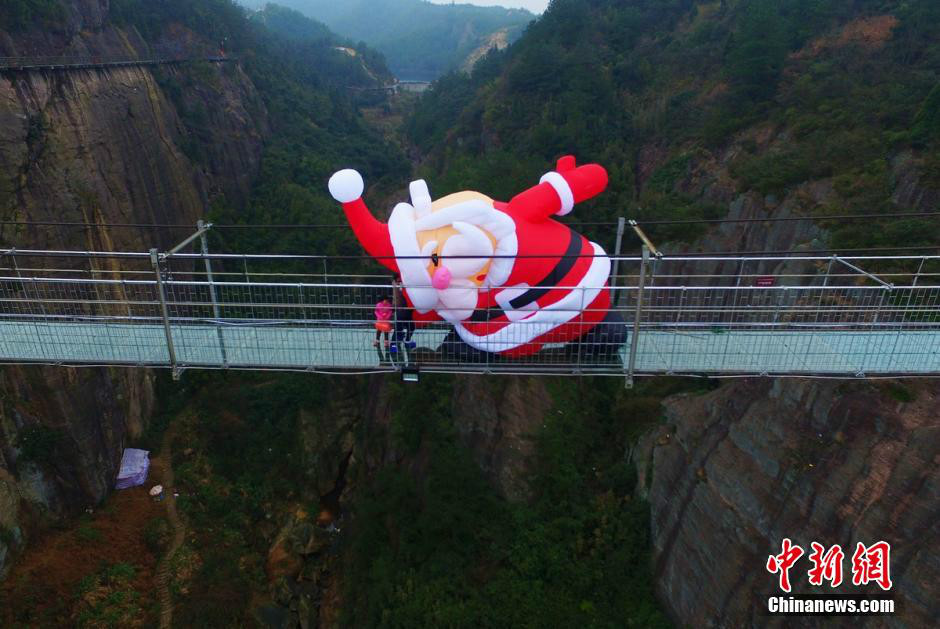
pixel 134 467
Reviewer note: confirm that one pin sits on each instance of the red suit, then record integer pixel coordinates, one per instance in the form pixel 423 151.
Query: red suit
pixel 556 290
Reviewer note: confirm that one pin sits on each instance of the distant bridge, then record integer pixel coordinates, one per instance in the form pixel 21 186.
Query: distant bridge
pixel 397 86
pixel 709 316
pixel 34 64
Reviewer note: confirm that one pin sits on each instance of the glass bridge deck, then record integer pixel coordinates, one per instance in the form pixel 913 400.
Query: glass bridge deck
pixel 345 348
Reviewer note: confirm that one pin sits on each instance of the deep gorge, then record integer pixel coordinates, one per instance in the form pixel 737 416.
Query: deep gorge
pixel 466 501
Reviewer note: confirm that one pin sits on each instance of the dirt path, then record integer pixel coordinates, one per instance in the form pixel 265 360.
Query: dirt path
pixel 178 531
pixel 41 588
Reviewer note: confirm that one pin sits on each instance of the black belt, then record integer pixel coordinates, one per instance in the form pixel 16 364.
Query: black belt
pixel 557 274
pixel 550 281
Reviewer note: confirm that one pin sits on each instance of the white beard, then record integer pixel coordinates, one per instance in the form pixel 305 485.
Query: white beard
pixel 458 301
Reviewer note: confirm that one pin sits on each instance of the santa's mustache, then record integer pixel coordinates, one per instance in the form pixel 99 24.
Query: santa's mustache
pixel 458 301
pixel 463 255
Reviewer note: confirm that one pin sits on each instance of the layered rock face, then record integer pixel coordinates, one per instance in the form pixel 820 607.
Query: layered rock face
pixel 122 145
pixel 733 472
pixel 498 421
pixel 349 440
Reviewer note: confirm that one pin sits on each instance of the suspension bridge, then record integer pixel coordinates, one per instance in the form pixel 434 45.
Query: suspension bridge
pixel 90 62
pixel 703 315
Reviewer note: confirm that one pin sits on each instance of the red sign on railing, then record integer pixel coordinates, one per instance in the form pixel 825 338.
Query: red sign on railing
pixel 766 281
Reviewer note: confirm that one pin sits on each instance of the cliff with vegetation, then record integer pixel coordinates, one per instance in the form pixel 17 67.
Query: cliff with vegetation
pixel 806 107
pixel 363 501
pixel 743 467
pixel 708 110
pixel 109 146
pixel 150 145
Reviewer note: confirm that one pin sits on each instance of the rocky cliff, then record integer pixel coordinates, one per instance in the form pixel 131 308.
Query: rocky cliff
pixel 352 440
pixel 123 145
pixel 498 420
pixel 733 472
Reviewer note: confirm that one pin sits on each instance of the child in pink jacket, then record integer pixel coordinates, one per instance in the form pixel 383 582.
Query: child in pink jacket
pixel 383 321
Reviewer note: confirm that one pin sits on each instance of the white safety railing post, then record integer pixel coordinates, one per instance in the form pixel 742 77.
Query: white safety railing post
pixel 33 317
pixel 487 353
pixel 621 225
pixel 161 294
pixel 216 311
pixel 638 312
pixel 920 269
pixel 580 334
pixel 675 334
pixel 887 290
pixel 397 296
pixel 828 271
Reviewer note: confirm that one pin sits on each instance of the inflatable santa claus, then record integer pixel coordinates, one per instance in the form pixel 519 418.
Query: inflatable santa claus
pixel 508 276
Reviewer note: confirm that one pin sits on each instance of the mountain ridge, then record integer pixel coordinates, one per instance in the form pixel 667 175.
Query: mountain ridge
pixel 420 40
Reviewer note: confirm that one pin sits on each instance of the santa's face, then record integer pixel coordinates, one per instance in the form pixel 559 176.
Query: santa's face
pixel 460 236
pixel 457 239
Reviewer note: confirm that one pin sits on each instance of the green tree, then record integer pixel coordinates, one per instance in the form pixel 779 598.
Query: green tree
pixel 20 15
pixel 927 121
pixel 757 52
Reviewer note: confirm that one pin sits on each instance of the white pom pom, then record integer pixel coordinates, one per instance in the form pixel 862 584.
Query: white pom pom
pixel 346 185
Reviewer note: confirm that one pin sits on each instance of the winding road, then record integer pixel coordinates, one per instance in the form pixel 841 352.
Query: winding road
pixel 164 596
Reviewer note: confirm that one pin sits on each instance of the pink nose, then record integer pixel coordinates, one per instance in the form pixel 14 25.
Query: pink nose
pixel 441 278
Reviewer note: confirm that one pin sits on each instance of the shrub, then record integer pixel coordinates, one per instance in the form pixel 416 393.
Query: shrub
pixel 106 599
pixel 156 532
pixel 899 392
pixel 7 536
pixel 38 443
pixel 19 15
pixel 927 122
pixel 87 532
pixel 773 172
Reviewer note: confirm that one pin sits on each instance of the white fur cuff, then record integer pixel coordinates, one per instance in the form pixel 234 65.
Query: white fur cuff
pixel 563 189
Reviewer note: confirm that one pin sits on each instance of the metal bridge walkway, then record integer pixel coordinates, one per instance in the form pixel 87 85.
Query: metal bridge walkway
pixel 344 348
pixel 35 64
pixel 716 316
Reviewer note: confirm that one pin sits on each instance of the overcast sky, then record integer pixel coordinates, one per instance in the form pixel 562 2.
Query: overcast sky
pixel 536 6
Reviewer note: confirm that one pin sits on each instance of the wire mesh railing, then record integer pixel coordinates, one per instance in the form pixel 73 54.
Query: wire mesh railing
pixel 721 316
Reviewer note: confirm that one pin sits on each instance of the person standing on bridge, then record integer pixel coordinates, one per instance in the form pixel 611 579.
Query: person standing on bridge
pixel 404 319
pixel 383 323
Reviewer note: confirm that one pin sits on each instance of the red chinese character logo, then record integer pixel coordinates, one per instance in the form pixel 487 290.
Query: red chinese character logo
pixel 872 564
pixel 826 566
pixel 783 562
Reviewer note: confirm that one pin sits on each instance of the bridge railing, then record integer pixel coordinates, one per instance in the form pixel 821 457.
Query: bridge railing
pixel 663 306
pixel 782 307
pixel 789 315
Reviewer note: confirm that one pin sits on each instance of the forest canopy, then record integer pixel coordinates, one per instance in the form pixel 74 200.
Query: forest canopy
pixel 659 91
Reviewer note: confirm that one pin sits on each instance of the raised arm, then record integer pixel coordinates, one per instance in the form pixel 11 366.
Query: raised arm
pixel 559 190
pixel 346 186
